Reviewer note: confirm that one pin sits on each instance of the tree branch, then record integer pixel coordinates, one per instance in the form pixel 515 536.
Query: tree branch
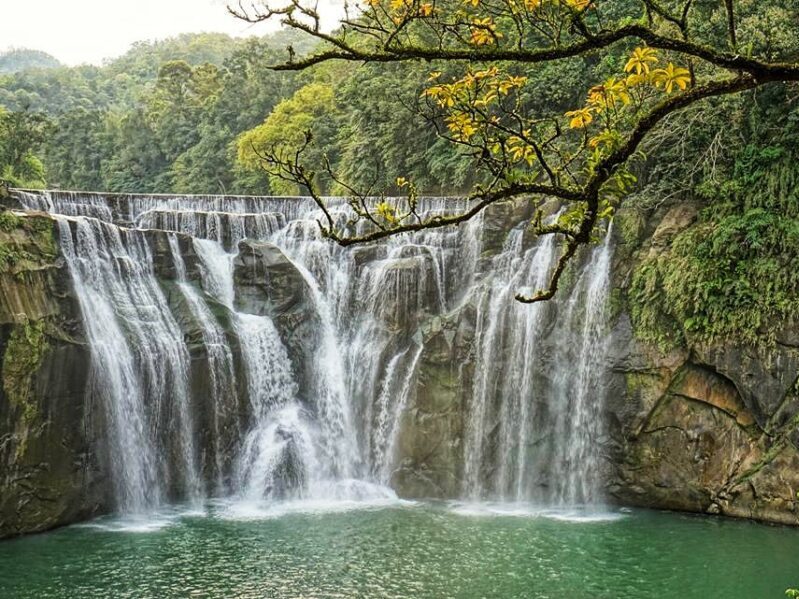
pixel 726 60
pixel 568 32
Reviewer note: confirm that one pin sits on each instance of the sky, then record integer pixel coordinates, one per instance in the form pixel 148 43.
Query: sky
pixel 88 31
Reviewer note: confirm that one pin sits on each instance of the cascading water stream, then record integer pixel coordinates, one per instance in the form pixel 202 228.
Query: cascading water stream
pixel 138 358
pixel 533 426
pixel 389 421
pixel 579 384
pixel 531 399
pixel 114 377
pixel 278 457
pixel 220 358
pixel 339 438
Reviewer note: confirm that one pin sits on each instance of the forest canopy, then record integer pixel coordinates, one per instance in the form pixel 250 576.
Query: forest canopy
pixel 657 59
pixel 198 113
pixel 22 59
pixel 179 116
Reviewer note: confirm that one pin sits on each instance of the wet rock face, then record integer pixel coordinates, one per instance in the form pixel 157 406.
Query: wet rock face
pixel 703 428
pixel 764 378
pixel 501 218
pixel 688 442
pixel 432 427
pixel 52 451
pixel 163 261
pixel 689 438
pixel 51 440
pixel 694 444
pixel 267 283
pixel 407 291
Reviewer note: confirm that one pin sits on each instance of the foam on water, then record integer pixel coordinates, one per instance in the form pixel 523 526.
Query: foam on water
pixel 328 497
pixel 580 515
pixel 151 522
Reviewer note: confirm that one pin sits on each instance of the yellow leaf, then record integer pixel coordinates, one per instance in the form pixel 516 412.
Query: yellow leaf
pixel 529 155
pixel 578 4
pixel 641 60
pixel 386 212
pixel 426 10
pixel 461 126
pixel 493 71
pixel 483 32
pixel 635 80
pixel 671 77
pixel 580 118
pixel 609 138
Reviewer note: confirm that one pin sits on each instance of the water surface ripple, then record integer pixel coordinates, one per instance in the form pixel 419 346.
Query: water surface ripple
pixel 405 549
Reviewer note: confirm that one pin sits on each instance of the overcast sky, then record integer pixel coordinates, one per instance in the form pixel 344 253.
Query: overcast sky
pixel 88 31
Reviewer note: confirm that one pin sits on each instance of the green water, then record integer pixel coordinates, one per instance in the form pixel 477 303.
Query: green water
pixel 414 550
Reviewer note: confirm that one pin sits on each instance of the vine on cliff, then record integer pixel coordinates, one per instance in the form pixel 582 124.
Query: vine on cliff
pixel 734 274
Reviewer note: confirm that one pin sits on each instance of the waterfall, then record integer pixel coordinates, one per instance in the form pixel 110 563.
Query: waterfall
pixel 237 353
pixel 335 416
pixel 114 377
pixel 139 360
pixel 278 455
pixel 544 415
pixel 389 419
pixel 579 383
pixel 217 270
pixel 278 458
pixel 220 358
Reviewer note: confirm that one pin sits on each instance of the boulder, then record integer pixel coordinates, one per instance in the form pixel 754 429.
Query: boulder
pixel 405 290
pixel 267 283
pixel 431 427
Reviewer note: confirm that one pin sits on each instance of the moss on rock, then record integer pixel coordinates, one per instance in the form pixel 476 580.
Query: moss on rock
pixel 23 356
pixel 733 272
pixel 26 241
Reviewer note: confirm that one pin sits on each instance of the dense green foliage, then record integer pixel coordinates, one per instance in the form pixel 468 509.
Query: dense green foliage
pixel 163 117
pixel 20 59
pixel 735 272
pixel 181 115
pixel 20 134
pixel 189 114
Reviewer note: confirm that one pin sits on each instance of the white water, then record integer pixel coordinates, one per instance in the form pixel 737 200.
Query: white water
pixel 531 410
pixel 579 385
pixel 547 420
pixel 139 360
pixel 220 360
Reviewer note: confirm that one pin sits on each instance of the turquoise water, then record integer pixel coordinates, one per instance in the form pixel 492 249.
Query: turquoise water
pixel 404 550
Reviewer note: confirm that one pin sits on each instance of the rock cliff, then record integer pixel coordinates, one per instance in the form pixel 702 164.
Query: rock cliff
pixel 51 464
pixel 702 427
